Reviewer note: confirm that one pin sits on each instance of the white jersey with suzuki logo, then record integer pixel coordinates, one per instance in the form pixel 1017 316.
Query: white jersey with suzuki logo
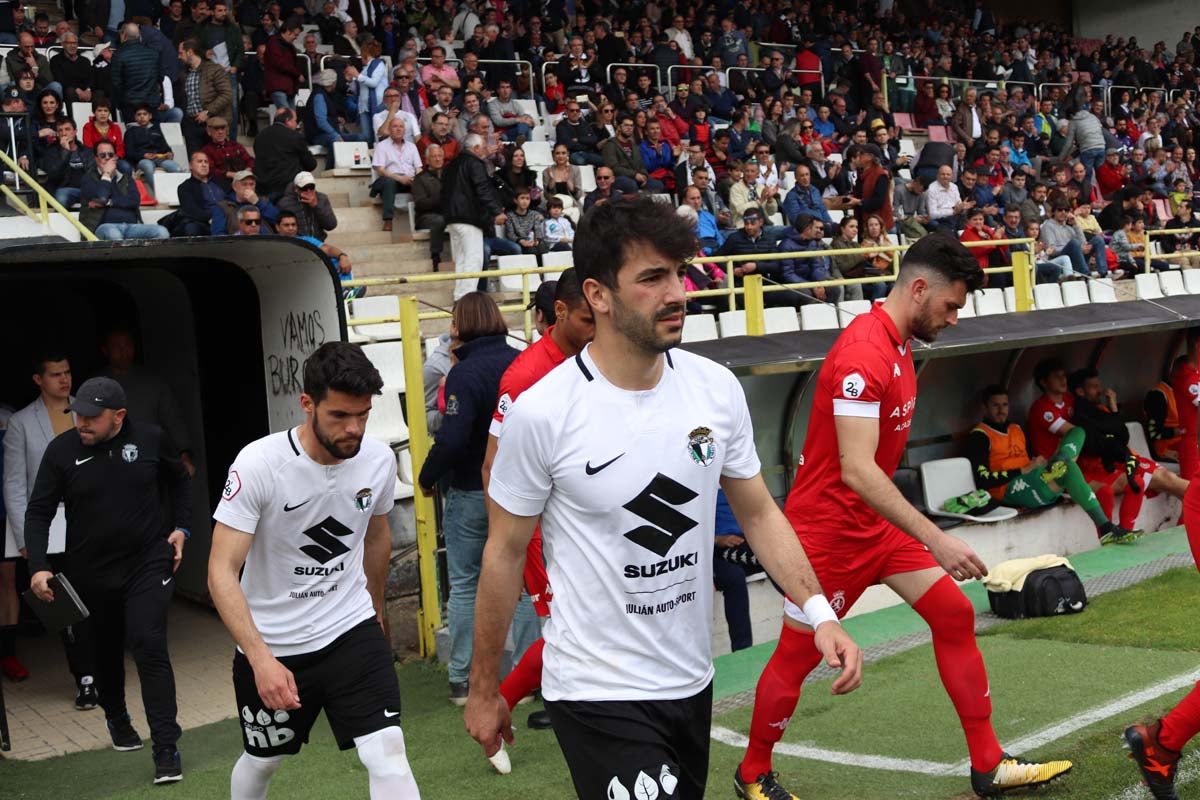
pixel 304 578
pixel 626 486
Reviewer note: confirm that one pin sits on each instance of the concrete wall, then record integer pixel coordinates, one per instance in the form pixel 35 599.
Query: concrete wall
pixel 1161 19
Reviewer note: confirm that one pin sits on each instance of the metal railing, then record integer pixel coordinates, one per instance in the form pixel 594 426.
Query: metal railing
pixel 1108 96
pixel 1149 255
pixel 46 201
pixel 528 71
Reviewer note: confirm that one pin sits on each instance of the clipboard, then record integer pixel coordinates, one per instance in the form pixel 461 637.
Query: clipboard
pixel 64 610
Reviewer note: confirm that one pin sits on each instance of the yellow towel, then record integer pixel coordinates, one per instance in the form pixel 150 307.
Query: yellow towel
pixel 1009 576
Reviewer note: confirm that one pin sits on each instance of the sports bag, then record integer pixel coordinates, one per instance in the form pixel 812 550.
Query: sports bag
pixel 1046 593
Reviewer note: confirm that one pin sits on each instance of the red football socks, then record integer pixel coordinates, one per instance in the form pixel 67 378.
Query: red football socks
pixel 525 676
pixel 1106 499
pixel 951 619
pixel 776 696
pixel 1184 720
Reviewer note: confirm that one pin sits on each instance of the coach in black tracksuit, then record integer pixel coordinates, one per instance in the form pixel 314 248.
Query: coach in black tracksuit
pixel 121 551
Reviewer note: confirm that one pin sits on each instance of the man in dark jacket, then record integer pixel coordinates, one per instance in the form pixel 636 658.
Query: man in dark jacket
pixel 427 200
pixel 136 73
pixel 14 131
pixel 281 152
pixel 314 213
pixel 109 201
pixel 578 135
pixel 26 57
pixel 199 198
pixel 65 163
pixel 73 71
pixel 622 154
pixel 471 207
pixel 203 92
pixel 751 239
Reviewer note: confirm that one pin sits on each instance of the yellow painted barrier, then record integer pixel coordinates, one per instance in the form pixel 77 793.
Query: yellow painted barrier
pixel 45 201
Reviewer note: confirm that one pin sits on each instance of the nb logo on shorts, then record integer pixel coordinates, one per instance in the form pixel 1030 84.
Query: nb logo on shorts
pixel 654 504
pixel 261 733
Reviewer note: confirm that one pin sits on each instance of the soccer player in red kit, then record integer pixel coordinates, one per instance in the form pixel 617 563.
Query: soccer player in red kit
pixel 859 530
pixel 572 328
pixel 1185 385
pixel 1156 748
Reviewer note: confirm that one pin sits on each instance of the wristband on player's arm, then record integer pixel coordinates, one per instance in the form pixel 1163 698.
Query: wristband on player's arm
pixel 817 610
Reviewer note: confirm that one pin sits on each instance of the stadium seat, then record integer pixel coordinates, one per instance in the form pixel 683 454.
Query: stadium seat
pixel 849 309
pixel 558 258
pixel 537 133
pixel 403 491
pixel 1048 295
pixel 404 467
pixel 733 323
pixel 1147 286
pixel 1102 290
pixel 1074 293
pixel 1191 280
pixel 1140 445
pixel 699 328
pixel 1172 283
pixel 166 187
pixel 512 283
pixel 386 422
pixel 781 319
pixel 1010 299
pixel 538 154
pixel 82 112
pixel 836 215
pixel 988 302
pixel 388 358
pixel 372 307
pixel 818 317
pixel 944 478
pixel 351 155
pixel 587 179
pixel 939 133
pixel 529 107
pixel 968 309
pixel 431 346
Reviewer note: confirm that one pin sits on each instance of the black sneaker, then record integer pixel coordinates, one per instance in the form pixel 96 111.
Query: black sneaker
pixel 167 767
pixel 459 692
pixel 1157 764
pixel 87 698
pixel 1013 774
pixel 539 720
pixel 124 737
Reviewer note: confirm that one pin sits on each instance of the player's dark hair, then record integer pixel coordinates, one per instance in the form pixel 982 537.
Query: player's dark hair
pixel 1044 368
pixel 990 391
pixel 475 315
pixel 608 231
pixel 1079 377
pixel 569 288
pixel 343 367
pixel 47 355
pixel 944 256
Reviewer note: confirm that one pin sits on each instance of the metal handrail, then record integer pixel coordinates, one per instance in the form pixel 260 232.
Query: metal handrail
pixel 45 199
pixel 1161 232
pixel 1108 92
pixel 640 67
pixel 529 64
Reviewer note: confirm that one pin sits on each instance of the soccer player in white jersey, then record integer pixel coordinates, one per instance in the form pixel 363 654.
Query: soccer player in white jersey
pixel 621 450
pixel 305 511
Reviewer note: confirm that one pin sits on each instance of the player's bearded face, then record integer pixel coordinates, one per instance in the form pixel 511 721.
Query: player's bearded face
pixel 938 308
pixel 340 442
pixel 652 332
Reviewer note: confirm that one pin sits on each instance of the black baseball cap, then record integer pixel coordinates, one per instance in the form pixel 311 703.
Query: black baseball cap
pixel 13 94
pixel 97 394
pixel 543 300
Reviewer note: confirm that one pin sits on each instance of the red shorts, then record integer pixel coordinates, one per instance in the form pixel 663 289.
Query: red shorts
pixel 1094 472
pixel 537 582
pixel 847 567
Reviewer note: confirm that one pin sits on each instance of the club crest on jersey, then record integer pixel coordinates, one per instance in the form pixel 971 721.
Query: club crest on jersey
pixel 130 453
pixel 362 500
pixel 838 601
pixel 701 446
pixel 451 405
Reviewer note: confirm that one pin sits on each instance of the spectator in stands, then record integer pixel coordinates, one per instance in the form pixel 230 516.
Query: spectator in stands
pixel 730 577
pixel 26 57
pixel 380 123
pixel 976 230
pixel 872 193
pixel 658 156
pixel 73 71
pixel 282 153
pixel 622 156
pixel 427 201
pixel 199 198
pixel 443 105
pixel 249 222
pixel 909 207
pixel 805 235
pixel 14 137
pixel 109 200
pixel 147 148
pixel 851 265
pixel 47 111
pixel 203 93
pixel 753 239
pixel 559 233
pixel 805 198
pixel 513 175
pixel 1035 208
pixel 102 127
pixel 314 213
pixel 746 194
pixel 578 135
pixel 944 202
pixel 524 225
pixel 281 66
pixel 324 120
pixel 685 168
pixel 226 157
pixel 721 101
pixel 221 38
pixel 1064 237
pixel 1183 242
pixel 509 120
pixel 1001 464
pixel 396 163
pixel 136 73
pixel 710 198
pixel 440 135
pixel 471 206
pixel 65 164
pixel 1048 269
pixel 244 192
pixel 288 226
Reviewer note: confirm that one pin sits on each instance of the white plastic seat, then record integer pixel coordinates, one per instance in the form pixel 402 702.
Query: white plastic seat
pixel 988 302
pixel 1139 444
pixel 512 283
pixel 557 258
pixel 404 467
pixel 538 154
pixel 587 179
pixel 386 422
pixel 431 346
pixel 1102 290
pixel 968 309
pixel 849 309
pixel 1147 286
pixel 351 155
pixel 1010 299
pixel 780 319
pixel 1074 293
pixel 836 214
pixel 388 358
pixel 733 323
pixel 529 107
pixel 1047 295
pixel 818 317
pixel 81 112
pixel 166 186
pixel 1172 283
pixel 1191 280
pixel 372 307
pixel 699 328
pixel 944 478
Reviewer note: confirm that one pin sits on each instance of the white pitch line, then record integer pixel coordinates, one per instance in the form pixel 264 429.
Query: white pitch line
pixel 1031 742
pixel 1189 771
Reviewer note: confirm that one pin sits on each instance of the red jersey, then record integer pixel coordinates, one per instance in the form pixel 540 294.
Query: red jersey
pixel 1045 423
pixel 868 373
pixel 534 363
pixel 1185 384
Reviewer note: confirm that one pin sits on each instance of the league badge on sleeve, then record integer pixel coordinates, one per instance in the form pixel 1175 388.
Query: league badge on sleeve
pixel 233 485
pixel 701 446
pixel 362 500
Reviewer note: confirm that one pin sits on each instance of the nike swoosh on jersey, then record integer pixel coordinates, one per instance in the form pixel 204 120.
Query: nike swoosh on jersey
pixel 590 470
pixel 79 461
pixel 286 507
pixel 390 714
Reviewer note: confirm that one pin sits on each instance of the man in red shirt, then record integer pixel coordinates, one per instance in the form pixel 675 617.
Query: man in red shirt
pixel 978 231
pixel 1110 177
pixel 1185 385
pixel 573 328
pixel 859 530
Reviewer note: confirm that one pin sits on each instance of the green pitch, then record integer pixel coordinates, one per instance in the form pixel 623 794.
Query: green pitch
pixel 1043 673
